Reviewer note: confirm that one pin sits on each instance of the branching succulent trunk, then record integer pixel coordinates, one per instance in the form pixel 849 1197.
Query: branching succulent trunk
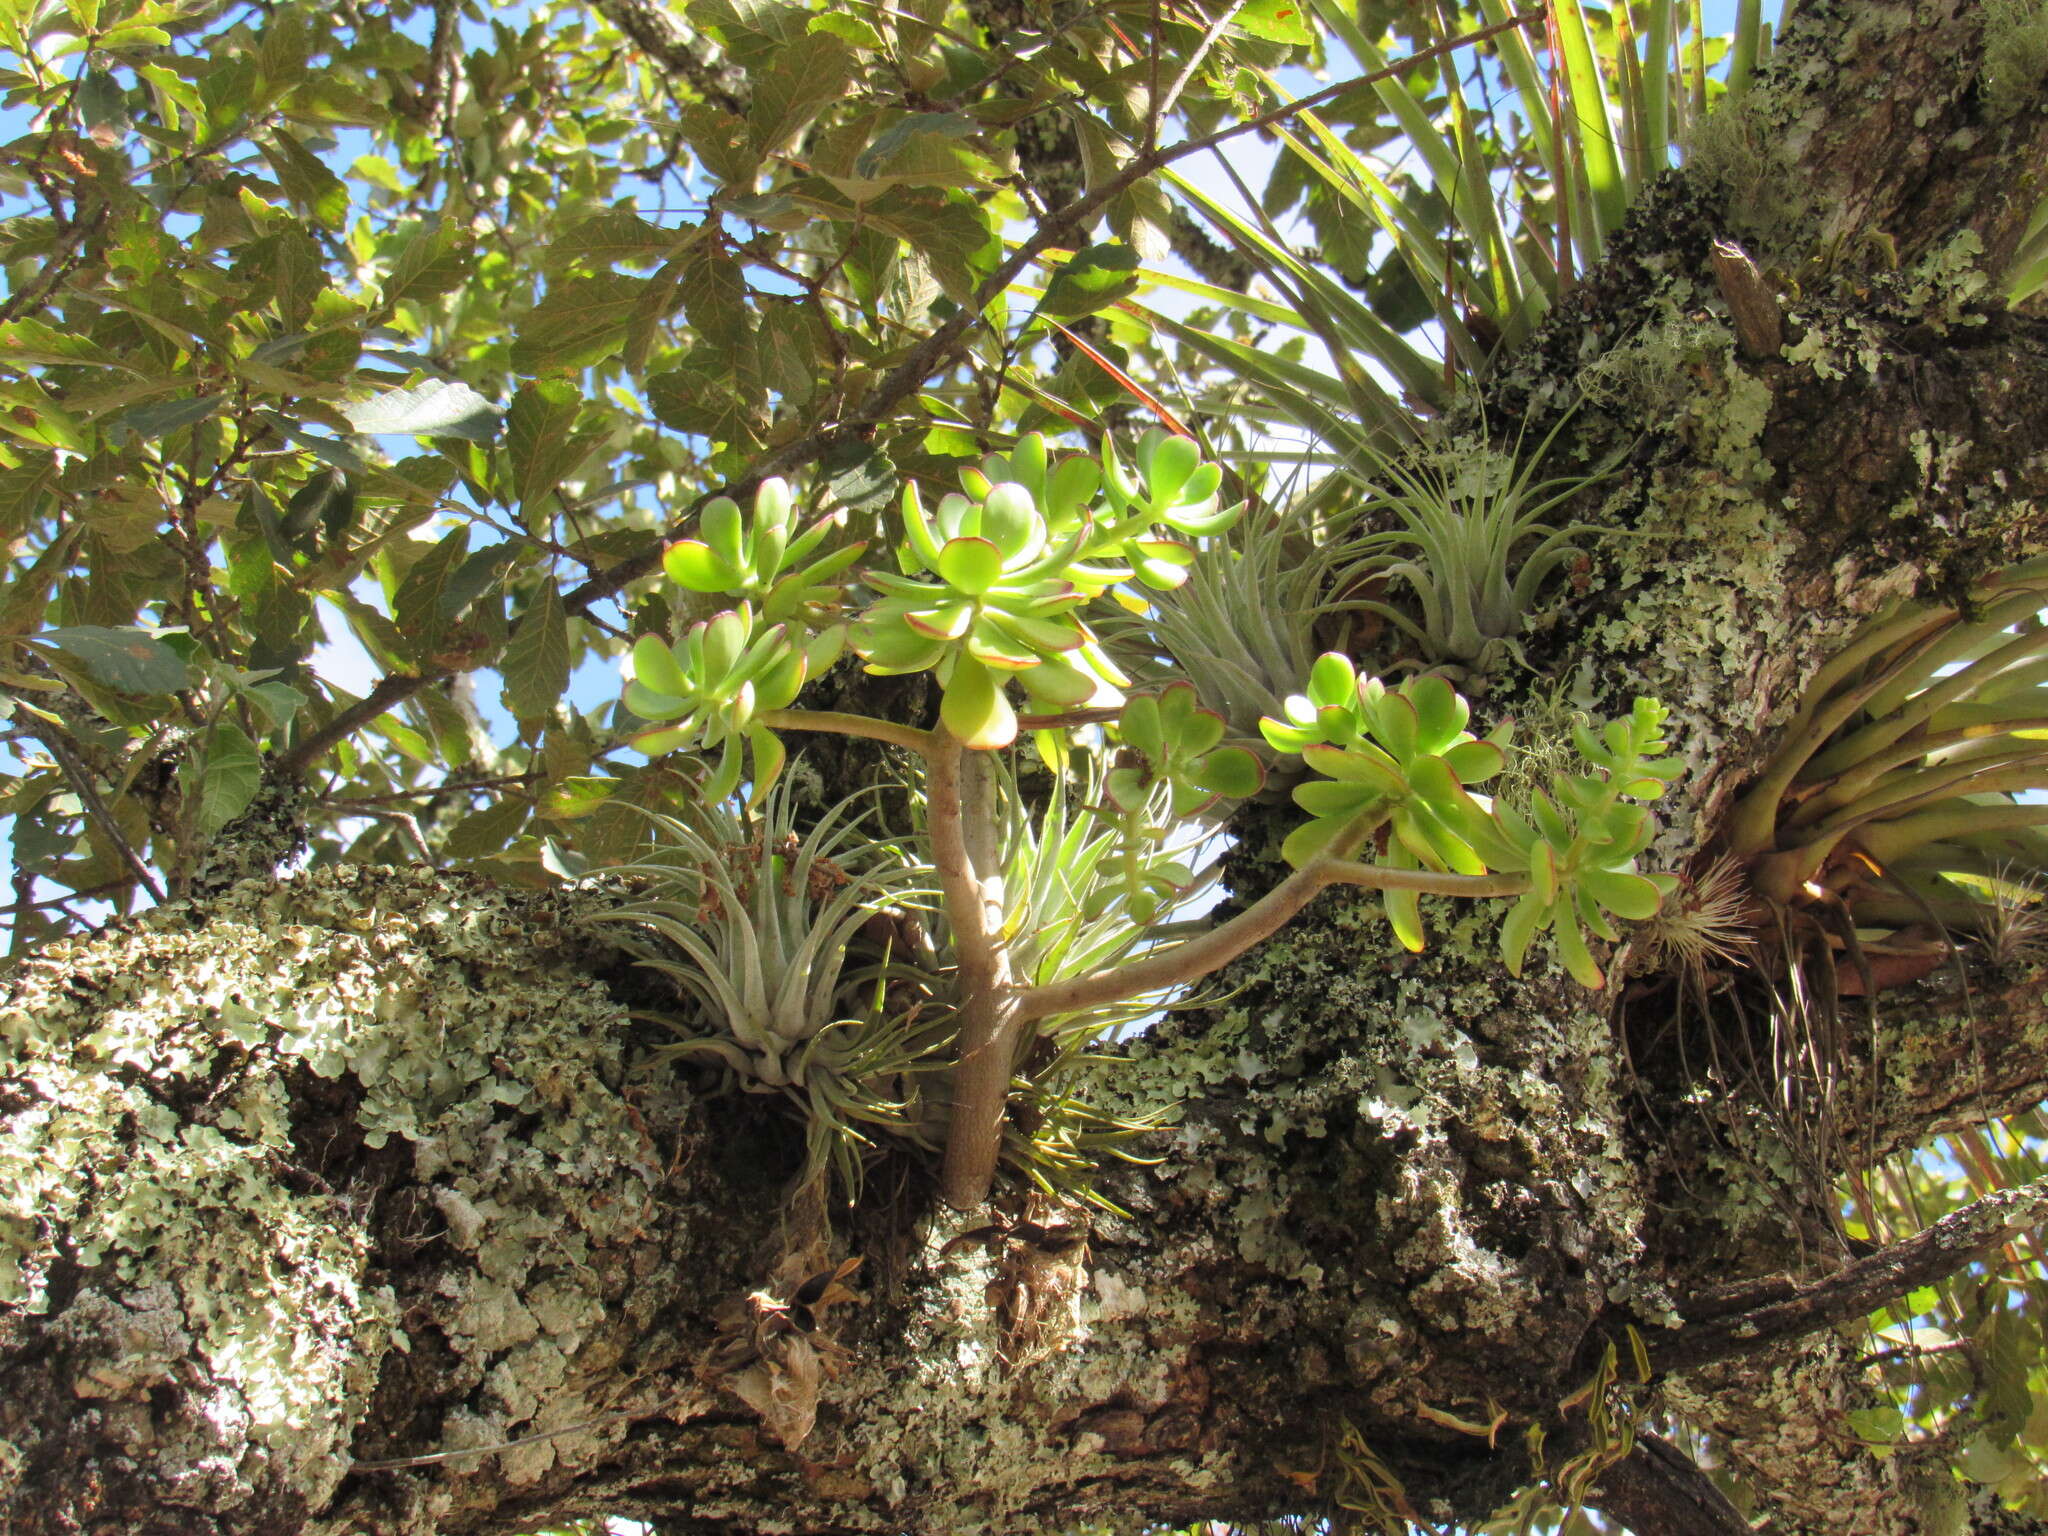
pixel 342 1212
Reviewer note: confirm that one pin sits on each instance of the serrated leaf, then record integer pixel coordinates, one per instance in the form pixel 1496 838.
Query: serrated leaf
pixel 416 608
pixel 233 773
pixel 617 234
pixel 540 437
pixel 874 160
pixel 126 660
pixel 1274 21
pixel 488 830
pixel 694 399
pixel 951 232
pixel 581 321
pixel 714 294
pixel 535 664
pixel 436 408
pixel 306 180
pixel 146 423
pixel 430 262
pixel 807 73
pixel 850 30
pixel 1090 280
pixel 719 140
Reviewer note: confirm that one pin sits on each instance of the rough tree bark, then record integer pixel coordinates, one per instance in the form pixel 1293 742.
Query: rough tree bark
pixel 347 1169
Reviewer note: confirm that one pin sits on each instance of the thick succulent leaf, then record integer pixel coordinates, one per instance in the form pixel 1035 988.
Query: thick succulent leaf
pixel 1326 797
pixel 1059 684
pixel 1310 839
pixel 1522 923
pixel 1404 913
pixel 1231 771
pixel 974 708
pixel 655 667
pixel 970 565
pixel 1142 726
pixel 651 705
pixel 1440 714
pixel 1332 682
pixel 1474 762
pixel 1631 896
pixel 1358 764
pixel 692 564
pixel 719 525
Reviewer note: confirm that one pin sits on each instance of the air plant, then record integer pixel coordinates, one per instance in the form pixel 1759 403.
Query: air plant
pixel 767 937
pixel 1471 544
pixel 1244 621
pixel 1898 785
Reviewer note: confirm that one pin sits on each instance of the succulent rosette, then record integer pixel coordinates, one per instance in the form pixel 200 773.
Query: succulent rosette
pixel 1174 766
pixel 1403 755
pixel 1400 752
pixel 985 596
pixel 757 558
pixel 711 684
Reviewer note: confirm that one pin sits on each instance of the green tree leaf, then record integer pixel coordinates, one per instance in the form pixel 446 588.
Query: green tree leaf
pixel 536 659
pixel 126 660
pixel 581 321
pixel 437 408
pixel 232 774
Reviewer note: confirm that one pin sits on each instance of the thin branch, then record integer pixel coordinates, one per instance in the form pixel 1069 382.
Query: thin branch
pixel 1429 882
pixel 1197 957
pixel 833 722
pixel 1180 83
pixel 96 808
pixel 391 691
pixel 1859 1288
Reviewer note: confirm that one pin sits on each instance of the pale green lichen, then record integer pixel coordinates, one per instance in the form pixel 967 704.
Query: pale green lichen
pixel 159 1069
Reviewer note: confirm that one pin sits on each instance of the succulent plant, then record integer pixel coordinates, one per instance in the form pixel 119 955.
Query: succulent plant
pixel 713 682
pixel 756 558
pixel 1403 758
pixel 992 582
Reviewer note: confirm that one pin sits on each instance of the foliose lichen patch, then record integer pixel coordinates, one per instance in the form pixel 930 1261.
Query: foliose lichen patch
pixel 178 1088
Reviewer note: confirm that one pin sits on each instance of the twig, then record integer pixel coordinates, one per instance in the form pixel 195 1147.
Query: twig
pixel 833 722
pixel 96 808
pixel 1196 958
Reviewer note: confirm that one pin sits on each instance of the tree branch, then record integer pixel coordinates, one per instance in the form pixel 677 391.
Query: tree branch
pixel 1658 1490
pixel 1859 1288
pixel 1196 958
pixel 837 723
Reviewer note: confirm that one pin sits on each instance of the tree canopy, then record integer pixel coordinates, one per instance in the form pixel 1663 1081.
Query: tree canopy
pixel 871 535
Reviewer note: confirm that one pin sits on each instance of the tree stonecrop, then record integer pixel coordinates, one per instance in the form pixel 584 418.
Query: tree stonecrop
pixel 1053 924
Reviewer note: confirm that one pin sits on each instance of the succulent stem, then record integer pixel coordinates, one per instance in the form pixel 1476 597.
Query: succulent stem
pixel 963 821
pixel 834 723
pixel 1196 958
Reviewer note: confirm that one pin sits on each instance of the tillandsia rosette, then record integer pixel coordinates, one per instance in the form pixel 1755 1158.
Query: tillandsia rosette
pixel 771 937
pixel 992 582
pixel 1401 759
